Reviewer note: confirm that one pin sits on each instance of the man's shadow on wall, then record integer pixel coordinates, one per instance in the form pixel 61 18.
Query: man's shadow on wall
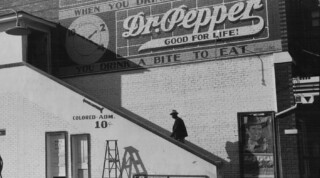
pixel 237 162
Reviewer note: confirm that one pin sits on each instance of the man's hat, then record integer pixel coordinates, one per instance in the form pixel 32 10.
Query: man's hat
pixel 174 112
pixel 252 120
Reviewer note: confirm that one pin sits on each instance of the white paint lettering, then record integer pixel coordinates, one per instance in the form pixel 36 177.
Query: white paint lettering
pixel 191 18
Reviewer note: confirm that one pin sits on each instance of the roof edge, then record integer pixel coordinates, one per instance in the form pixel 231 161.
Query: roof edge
pixel 25 16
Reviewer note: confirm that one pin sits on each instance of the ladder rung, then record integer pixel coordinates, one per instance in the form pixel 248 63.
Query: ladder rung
pixel 111 168
pixel 113 160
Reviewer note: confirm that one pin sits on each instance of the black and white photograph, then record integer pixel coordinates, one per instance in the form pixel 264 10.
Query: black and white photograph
pixel 159 88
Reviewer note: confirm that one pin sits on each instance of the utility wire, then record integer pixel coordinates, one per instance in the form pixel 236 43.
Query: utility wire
pixel 311 53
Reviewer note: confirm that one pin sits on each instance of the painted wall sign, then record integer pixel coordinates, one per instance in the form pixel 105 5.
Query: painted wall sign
pixel 100 121
pixel 257 144
pixel 100 6
pixel 195 19
pixel 93 117
pixel 119 35
pixel 173 58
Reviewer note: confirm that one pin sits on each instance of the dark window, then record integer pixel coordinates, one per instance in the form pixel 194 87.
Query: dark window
pixel 37 50
pixel 315 16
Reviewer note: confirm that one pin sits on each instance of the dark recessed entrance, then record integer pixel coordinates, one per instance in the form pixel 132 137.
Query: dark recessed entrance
pixel 308 117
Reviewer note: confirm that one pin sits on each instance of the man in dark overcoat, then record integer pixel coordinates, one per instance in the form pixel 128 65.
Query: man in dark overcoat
pixel 179 130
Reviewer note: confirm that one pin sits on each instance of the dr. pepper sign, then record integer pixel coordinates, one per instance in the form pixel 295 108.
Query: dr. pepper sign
pixel 148 33
pixel 195 19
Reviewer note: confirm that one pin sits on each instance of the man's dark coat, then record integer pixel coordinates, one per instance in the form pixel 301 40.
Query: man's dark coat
pixel 179 130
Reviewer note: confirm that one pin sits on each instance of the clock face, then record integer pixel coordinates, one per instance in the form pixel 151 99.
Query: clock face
pixel 87 39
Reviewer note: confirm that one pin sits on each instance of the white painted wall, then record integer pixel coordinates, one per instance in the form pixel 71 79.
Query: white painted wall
pixel 31 104
pixel 10 48
pixel 208 96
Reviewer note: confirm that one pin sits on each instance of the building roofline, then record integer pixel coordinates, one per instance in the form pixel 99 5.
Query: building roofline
pixel 24 16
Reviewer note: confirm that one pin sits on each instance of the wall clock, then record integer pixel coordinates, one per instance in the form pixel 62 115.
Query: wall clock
pixel 87 39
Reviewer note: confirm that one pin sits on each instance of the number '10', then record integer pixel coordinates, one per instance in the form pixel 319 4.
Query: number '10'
pixel 102 124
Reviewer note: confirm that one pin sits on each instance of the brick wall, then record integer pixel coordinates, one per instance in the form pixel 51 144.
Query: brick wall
pixel 208 96
pixel 11 138
pixel 288 144
pixel 283 24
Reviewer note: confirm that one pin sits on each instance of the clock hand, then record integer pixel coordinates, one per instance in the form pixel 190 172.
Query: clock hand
pixel 89 37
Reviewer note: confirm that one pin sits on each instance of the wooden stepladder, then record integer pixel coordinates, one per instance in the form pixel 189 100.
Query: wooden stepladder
pixel 111 165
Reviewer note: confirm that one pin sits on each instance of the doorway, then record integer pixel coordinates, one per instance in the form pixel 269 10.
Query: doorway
pixel 80 156
pixel 309 140
pixel 56 154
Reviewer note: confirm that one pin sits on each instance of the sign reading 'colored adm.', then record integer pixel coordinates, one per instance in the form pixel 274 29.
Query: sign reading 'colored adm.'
pixel 128 34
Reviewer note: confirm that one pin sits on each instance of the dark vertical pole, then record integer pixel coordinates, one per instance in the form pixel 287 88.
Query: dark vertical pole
pixel 278 148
